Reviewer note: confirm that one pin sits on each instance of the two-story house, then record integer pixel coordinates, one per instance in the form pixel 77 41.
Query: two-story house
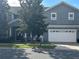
pixel 63 22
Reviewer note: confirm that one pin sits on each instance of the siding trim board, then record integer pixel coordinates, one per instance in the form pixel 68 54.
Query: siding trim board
pixel 63 26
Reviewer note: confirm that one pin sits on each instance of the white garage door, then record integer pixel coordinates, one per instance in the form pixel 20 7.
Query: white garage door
pixel 62 35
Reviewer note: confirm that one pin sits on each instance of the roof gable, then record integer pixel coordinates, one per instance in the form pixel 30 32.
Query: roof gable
pixel 62 3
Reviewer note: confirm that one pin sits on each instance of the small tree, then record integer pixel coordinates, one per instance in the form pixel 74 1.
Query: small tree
pixel 32 14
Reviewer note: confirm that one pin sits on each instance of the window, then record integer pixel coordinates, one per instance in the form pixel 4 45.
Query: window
pixel 53 16
pixel 71 16
pixel 14 16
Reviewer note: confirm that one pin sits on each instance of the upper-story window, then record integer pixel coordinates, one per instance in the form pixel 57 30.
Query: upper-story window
pixel 14 16
pixel 71 16
pixel 53 16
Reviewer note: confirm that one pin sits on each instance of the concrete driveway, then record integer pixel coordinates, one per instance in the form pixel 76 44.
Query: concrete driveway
pixel 68 46
pixel 60 52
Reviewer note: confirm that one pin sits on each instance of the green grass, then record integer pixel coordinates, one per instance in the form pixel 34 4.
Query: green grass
pixel 11 45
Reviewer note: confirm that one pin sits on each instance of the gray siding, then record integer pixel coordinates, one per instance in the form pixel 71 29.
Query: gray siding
pixel 62 11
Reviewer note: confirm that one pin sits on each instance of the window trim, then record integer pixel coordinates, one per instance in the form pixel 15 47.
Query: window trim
pixel 69 18
pixel 54 18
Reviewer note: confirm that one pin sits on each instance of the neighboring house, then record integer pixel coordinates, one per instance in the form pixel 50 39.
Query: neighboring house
pixel 14 21
pixel 63 22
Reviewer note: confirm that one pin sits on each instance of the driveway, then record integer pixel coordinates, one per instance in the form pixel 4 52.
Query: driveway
pixel 60 52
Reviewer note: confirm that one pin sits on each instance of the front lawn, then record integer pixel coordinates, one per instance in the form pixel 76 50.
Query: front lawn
pixel 11 45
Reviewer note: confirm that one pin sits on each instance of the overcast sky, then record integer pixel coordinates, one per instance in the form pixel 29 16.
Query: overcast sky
pixel 48 3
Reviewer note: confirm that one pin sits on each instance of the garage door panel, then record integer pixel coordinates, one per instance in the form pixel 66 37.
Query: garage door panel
pixel 62 36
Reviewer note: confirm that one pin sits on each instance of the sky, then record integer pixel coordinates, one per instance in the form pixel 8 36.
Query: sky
pixel 48 3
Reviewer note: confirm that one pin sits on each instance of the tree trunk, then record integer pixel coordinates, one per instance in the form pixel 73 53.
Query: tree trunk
pixel 28 37
pixel 39 39
pixel 33 38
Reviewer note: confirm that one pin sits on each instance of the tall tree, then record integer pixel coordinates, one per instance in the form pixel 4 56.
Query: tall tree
pixel 3 19
pixel 32 14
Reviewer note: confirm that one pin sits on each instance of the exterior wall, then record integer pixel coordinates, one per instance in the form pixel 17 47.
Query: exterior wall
pixel 14 11
pixel 62 11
